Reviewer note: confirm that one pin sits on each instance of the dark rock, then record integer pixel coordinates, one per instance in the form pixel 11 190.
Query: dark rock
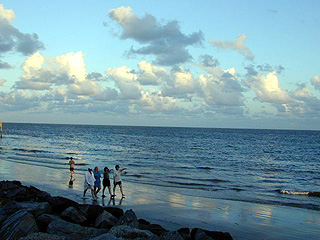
pixel 34 194
pixel 128 219
pixel 43 236
pixel 131 233
pixel 44 220
pixel 59 204
pixel 185 233
pixel 35 208
pixel 106 236
pixel 143 221
pixel 3 216
pixel 73 231
pixel 154 228
pixel 200 235
pixel 105 220
pixel 73 215
pixel 218 235
pixel 91 212
pixel 117 212
pixel 5 185
pixel 212 234
pixel 171 236
pixel 18 225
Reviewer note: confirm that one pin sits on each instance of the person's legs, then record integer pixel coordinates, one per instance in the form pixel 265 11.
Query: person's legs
pixel 104 188
pixel 121 190
pixel 114 189
pixel 109 188
pixel 99 188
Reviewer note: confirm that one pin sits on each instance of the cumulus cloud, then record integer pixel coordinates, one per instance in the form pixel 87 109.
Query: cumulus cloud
pixel 150 74
pixel 221 87
pixel 267 87
pixel 236 45
pixel 315 81
pixel 154 102
pixel 42 73
pixel 180 84
pixel 19 101
pixel 11 39
pixel 304 104
pixel 126 80
pixel 164 41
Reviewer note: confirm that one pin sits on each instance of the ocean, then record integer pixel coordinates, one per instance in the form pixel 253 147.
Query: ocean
pixel 277 167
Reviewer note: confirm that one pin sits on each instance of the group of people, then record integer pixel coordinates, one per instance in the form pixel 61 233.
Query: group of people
pixel 92 181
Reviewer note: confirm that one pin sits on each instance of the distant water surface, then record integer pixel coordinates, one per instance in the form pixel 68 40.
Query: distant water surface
pixel 262 166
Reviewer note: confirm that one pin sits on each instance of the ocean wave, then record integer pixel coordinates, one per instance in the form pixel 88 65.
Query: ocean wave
pixel 306 193
pixel 190 184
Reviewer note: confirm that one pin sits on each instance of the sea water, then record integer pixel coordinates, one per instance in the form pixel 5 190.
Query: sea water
pixel 262 166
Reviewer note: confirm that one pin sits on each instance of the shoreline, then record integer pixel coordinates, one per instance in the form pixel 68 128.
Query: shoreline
pixel 172 210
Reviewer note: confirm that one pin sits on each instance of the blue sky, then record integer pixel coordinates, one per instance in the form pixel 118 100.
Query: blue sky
pixel 237 64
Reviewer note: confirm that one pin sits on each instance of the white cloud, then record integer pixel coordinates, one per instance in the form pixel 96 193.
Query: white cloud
pixel 126 81
pixel 315 81
pixel 237 45
pixel 43 73
pixel 11 39
pixel 181 84
pixel 267 88
pixel 166 42
pixel 150 74
pixel 221 87
pixel 153 101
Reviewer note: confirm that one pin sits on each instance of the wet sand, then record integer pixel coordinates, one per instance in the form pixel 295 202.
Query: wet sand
pixel 172 210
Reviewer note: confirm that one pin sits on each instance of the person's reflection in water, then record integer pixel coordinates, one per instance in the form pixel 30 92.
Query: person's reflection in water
pixel 111 201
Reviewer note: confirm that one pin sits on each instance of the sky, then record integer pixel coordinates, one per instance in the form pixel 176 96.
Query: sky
pixel 208 63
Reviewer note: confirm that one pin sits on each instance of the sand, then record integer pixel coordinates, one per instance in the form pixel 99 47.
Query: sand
pixel 173 210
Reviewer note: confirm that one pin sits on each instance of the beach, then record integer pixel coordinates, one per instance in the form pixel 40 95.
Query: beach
pixel 172 210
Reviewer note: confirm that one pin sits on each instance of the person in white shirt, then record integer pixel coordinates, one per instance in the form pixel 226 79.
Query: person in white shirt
pixel 89 183
pixel 117 180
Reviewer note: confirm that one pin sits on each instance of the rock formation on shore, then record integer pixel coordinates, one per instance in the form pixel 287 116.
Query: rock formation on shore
pixel 27 213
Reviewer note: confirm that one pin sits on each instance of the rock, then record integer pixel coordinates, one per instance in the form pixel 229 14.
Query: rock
pixel 128 219
pixel 105 220
pixel 185 233
pixel 73 215
pixel 91 212
pixel 3 216
pixel 117 212
pixel 43 236
pixel 218 235
pixel 143 221
pixel 18 225
pixel 212 234
pixel 44 220
pixel 35 208
pixel 34 194
pixel 72 230
pixel 131 233
pixel 154 228
pixel 106 236
pixel 174 235
pixel 200 235
pixel 59 204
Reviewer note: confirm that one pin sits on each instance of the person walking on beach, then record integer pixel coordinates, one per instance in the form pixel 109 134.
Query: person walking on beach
pixel 72 163
pixel 117 180
pixel 106 181
pixel 89 183
pixel 97 183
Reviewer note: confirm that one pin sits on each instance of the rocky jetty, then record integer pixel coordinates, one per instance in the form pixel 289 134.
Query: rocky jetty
pixel 27 213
